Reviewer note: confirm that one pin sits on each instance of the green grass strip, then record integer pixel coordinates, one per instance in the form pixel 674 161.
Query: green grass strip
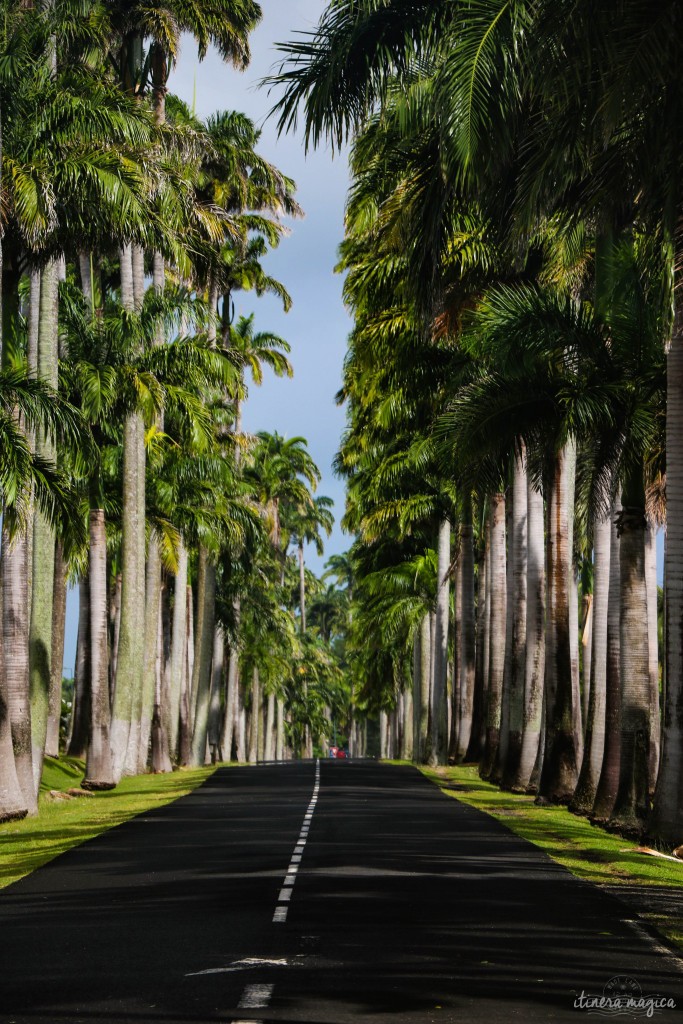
pixel 585 849
pixel 60 824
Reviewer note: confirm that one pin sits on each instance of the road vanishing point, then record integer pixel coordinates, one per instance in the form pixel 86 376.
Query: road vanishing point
pixel 321 893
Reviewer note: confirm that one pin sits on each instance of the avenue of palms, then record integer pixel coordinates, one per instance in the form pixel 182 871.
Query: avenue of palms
pixel 511 262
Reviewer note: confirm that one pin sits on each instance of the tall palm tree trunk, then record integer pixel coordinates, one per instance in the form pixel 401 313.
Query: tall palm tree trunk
pixel 161 750
pixel 15 616
pixel 425 685
pixel 609 774
pixel 467 659
pixel 268 751
pixel 586 655
pixel 178 648
pixel 42 580
pixel 145 702
pixel 454 688
pixel 594 745
pixel 653 650
pixel 255 717
pixel 185 717
pixel 99 773
pixel 633 797
pixel 280 736
pixel 438 734
pixel 517 671
pixel 57 653
pixel 534 669
pixel 80 711
pixel 217 678
pixel 497 628
pixel 13 804
pixel 561 761
pixel 408 735
pixel 201 675
pixel 130 655
pixel 230 719
pixel 475 746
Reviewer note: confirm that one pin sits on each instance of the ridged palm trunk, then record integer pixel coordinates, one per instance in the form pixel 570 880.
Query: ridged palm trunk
pixel 517 666
pixel 475 746
pixel 467 660
pixel 201 675
pixel 561 758
pixel 408 733
pixel 269 738
pixel 594 745
pixel 15 611
pixel 185 716
pixel 57 653
pixel 586 655
pixel 280 731
pixel 42 579
pixel 255 716
pixel 12 804
pixel 178 649
pixel 144 710
pixel 653 650
pixel 161 750
pixel 534 669
pixel 425 687
pixel 80 712
pixel 125 734
pixel 632 804
pixel 217 666
pixel 99 773
pixel 498 606
pixel 231 699
pixel 438 739
pixel 454 687
pixel 609 773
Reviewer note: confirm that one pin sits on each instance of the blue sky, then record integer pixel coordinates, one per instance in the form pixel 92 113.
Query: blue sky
pixel 317 326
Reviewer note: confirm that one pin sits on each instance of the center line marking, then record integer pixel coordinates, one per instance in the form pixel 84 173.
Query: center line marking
pixel 280 915
pixel 255 997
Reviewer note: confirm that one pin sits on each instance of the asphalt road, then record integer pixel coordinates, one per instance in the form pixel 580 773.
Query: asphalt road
pixel 369 897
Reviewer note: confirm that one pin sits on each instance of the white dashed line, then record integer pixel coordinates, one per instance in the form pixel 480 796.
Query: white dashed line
pixel 255 997
pixel 280 915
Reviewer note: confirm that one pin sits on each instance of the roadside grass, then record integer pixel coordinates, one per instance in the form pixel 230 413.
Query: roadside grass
pixel 61 824
pixel 585 849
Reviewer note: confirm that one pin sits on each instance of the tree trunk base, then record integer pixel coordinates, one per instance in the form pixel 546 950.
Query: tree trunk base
pixel 95 786
pixel 12 815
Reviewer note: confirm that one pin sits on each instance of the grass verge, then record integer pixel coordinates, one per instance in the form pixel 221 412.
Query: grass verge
pixel 645 882
pixel 60 824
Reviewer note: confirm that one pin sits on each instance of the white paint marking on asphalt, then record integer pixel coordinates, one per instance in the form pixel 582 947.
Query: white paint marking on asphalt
pixel 285 896
pixel 256 997
pixel 249 963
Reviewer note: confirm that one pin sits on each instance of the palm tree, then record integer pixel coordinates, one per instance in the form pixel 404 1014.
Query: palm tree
pixel 25 404
pixel 305 524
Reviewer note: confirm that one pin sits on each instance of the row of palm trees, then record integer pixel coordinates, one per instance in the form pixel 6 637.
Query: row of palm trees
pixel 512 260
pixel 128 227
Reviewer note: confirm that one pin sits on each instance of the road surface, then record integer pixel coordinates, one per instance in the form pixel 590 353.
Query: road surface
pixel 330 894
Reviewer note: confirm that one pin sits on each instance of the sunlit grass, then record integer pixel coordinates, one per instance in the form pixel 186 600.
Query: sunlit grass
pixel 60 824
pixel 585 849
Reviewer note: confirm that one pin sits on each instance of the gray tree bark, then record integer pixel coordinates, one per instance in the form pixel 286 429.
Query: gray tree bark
pixel 438 751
